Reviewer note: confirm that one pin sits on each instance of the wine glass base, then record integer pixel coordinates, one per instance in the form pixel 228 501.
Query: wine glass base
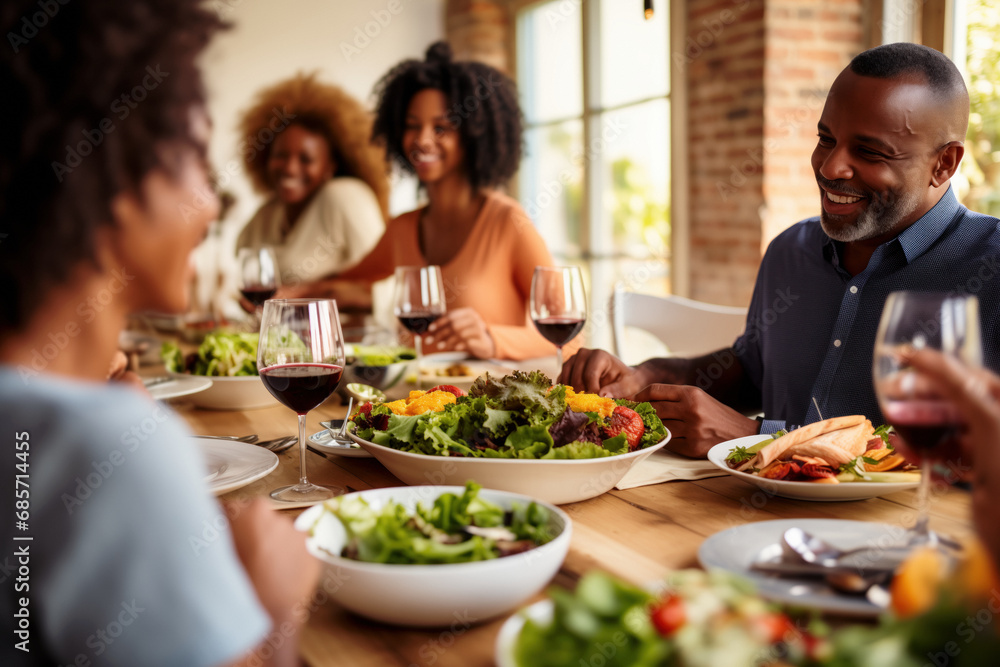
pixel 305 493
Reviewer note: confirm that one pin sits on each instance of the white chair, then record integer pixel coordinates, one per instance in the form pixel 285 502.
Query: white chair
pixel 686 327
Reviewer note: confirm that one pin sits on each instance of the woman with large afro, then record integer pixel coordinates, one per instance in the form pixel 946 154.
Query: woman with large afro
pixel 457 126
pixel 327 184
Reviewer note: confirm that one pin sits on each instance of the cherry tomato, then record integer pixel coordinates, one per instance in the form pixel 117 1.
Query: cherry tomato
pixel 668 615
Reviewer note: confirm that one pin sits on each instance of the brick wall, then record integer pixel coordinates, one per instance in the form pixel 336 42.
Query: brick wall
pixel 758 74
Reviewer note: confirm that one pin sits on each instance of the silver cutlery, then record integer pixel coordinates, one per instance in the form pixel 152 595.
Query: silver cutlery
pixel 278 445
pixel 252 438
pixel 157 381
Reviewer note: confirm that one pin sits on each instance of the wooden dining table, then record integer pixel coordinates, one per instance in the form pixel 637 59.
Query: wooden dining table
pixel 639 534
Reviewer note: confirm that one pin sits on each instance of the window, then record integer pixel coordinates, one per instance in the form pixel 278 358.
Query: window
pixel 595 83
pixel 975 50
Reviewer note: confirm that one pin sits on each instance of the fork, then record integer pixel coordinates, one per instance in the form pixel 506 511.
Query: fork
pixel 252 438
pixel 278 445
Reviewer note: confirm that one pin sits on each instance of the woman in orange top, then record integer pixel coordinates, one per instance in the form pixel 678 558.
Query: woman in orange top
pixel 458 127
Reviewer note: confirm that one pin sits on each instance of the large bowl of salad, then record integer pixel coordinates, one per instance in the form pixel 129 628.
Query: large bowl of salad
pixel 435 556
pixel 230 360
pixel 516 433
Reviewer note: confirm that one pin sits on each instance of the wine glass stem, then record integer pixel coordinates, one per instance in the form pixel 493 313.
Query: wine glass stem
pixel 420 353
pixel 302 450
pixel 558 361
pixel 921 529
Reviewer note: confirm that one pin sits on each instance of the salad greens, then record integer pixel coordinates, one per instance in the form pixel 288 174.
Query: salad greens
pixel 220 354
pixel 379 355
pixel 455 529
pixel 518 416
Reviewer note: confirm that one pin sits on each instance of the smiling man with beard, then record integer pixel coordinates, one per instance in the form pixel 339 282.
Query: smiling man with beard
pixel 889 141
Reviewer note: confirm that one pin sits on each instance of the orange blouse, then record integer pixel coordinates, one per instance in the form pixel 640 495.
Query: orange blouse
pixel 490 273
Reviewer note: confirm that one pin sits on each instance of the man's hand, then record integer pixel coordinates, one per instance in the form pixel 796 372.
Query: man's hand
pixel 599 372
pixel 975 393
pixel 275 557
pixel 696 421
pixel 462 329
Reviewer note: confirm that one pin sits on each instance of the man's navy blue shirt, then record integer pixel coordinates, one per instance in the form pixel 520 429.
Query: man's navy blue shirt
pixel 811 325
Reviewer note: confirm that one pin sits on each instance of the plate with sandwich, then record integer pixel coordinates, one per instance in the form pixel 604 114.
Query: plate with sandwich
pixel 843 458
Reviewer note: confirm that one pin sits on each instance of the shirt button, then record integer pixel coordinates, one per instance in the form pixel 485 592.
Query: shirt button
pixel 854 289
pixel 836 343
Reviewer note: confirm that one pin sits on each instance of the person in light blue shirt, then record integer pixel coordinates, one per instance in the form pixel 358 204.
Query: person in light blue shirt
pixel 114 551
pixel 889 140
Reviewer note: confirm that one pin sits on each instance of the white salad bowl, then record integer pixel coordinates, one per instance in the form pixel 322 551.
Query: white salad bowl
pixel 459 594
pixel 557 481
pixel 243 392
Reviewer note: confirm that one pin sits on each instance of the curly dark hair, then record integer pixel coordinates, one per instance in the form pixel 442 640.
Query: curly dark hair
pixel 890 61
pixel 482 104
pixel 330 112
pixel 93 91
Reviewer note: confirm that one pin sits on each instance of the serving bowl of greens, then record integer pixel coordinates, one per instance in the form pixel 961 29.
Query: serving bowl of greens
pixel 230 360
pixel 432 556
pixel 380 366
pixel 517 433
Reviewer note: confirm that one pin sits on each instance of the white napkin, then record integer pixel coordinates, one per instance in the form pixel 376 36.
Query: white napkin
pixel 664 466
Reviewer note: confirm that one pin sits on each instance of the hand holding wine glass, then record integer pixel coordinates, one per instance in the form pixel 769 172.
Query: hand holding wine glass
pixel 300 358
pixel 419 301
pixel 259 279
pixel 922 414
pixel 558 305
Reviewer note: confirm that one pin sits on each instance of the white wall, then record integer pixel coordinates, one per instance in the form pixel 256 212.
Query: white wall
pixel 352 43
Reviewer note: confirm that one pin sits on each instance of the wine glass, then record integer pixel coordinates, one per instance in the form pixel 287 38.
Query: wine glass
pixel 419 301
pixel 258 272
pixel 558 305
pixel 910 402
pixel 300 358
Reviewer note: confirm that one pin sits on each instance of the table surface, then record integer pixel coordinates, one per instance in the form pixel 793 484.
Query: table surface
pixel 639 534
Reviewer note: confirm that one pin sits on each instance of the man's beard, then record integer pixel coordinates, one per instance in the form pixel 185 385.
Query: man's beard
pixel 879 217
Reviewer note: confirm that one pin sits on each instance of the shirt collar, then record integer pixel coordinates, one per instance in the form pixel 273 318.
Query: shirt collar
pixel 918 237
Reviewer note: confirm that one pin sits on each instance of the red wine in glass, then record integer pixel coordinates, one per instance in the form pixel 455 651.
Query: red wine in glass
pixel 302 387
pixel 418 322
pixel 257 294
pixel 559 330
pixel 301 361
pixel 925 424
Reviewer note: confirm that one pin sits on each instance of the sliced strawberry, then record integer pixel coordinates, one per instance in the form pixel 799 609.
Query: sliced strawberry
pixel 627 421
pixel 449 388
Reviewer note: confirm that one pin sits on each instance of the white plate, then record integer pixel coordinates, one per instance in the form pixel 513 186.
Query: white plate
pixel 243 392
pixel 801 490
pixel 554 481
pixel 510 631
pixel 232 465
pixel 321 441
pixel 179 386
pixel 734 550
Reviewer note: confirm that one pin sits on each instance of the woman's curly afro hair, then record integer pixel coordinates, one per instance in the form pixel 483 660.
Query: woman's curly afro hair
pixel 329 112
pixel 481 104
pixel 91 96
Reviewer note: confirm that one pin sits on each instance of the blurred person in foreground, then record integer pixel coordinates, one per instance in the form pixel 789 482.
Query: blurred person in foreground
pixel 327 184
pixel 889 140
pixel 131 561
pixel 458 127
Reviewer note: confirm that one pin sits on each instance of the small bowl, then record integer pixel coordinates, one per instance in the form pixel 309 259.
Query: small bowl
pixel 244 392
pixel 380 377
pixel 434 595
